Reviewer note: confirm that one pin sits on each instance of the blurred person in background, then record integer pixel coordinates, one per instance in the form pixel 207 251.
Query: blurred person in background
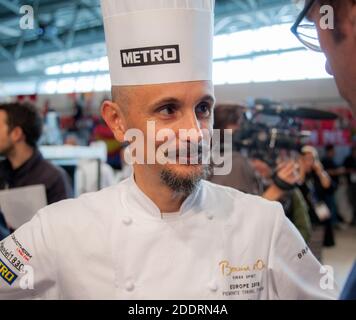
pixel 336 40
pixel 335 172
pixel 51 131
pixel 165 213
pixel 4 231
pixel 339 46
pixel 20 130
pixel 242 176
pixel 254 176
pixel 350 171
pixel 102 132
pixel 292 200
pixel 313 181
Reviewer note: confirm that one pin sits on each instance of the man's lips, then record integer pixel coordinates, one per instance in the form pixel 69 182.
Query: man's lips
pixel 185 156
pixel 191 159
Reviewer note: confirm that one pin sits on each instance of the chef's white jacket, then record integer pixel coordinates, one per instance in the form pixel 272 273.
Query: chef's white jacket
pixel 114 244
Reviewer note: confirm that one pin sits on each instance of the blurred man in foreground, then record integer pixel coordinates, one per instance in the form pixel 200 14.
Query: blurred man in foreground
pixel 329 26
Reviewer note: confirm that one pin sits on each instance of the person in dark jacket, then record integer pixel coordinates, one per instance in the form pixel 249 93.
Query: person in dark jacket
pixel 349 291
pixel 335 172
pixel 4 231
pixel 20 129
pixel 314 180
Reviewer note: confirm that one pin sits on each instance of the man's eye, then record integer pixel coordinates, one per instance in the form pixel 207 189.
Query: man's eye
pixel 167 110
pixel 203 110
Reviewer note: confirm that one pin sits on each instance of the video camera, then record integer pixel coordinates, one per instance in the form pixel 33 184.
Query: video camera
pixel 269 129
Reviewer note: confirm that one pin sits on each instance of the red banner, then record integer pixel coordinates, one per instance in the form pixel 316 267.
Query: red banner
pixel 340 132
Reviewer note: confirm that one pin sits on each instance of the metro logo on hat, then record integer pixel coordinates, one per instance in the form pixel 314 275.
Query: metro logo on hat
pixel 158 41
pixel 150 56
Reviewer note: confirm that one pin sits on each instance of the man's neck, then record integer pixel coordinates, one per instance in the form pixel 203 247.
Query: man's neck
pixel 150 184
pixel 20 155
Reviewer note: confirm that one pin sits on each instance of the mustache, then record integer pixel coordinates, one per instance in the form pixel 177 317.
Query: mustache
pixel 193 154
pixel 190 151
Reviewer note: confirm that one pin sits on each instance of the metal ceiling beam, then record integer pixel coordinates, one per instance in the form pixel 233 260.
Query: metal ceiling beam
pixel 91 9
pixel 5 53
pixel 10 32
pixel 264 18
pixel 57 42
pixel 253 4
pixel 19 47
pixel 240 13
pixel 82 38
pixel 80 23
pixel 10 6
pixel 39 76
pixel 70 37
pixel 230 10
pixel 224 20
pixel 43 8
pixel 241 4
pixel 259 54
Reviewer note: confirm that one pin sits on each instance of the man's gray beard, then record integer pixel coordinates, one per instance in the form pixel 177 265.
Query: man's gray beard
pixel 187 184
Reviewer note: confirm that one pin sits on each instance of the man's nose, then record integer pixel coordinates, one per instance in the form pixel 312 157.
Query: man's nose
pixel 328 68
pixel 192 131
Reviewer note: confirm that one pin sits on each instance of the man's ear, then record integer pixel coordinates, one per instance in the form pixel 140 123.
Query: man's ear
pixel 17 135
pixel 113 116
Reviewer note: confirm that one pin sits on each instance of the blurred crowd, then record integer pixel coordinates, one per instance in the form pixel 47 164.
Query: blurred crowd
pixel 317 194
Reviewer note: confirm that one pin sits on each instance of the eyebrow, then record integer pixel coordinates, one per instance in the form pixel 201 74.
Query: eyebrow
pixel 164 101
pixel 209 98
pixel 172 100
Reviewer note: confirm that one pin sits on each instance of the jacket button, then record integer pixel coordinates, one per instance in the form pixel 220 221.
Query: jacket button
pixel 127 221
pixel 129 286
pixel 213 286
pixel 210 216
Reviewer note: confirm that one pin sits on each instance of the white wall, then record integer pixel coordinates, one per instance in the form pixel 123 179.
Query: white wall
pixel 64 104
pixel 315 93
pixel 318 93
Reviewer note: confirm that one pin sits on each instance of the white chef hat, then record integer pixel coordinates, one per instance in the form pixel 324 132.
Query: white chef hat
pixel 158 41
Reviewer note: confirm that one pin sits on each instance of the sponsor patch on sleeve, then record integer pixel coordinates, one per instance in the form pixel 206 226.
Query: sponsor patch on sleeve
pixel 6 273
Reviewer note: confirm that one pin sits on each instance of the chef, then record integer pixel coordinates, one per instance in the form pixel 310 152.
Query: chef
pixel 165 232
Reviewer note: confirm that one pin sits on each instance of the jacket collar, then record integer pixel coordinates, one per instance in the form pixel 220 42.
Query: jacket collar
pixel 135 198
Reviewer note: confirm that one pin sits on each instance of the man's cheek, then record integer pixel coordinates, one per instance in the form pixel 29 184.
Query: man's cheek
pixel 208 125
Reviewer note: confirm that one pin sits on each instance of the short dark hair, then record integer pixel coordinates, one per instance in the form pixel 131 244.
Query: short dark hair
pixel 25 116
pixel 226 114
pixel 329 147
